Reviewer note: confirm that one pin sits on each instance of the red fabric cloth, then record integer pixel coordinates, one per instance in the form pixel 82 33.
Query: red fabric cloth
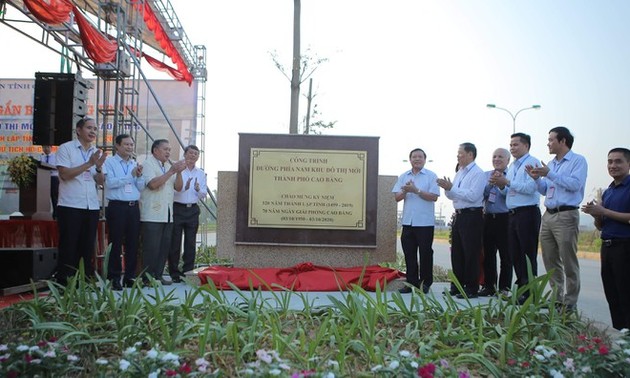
pixel 301 277
pixel 52 12
pixel 97 46
pixel 154 25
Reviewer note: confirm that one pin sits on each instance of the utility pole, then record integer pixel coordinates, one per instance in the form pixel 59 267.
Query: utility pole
pixel 295 71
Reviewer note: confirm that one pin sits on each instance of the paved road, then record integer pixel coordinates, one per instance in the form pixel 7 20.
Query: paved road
pixel 592 302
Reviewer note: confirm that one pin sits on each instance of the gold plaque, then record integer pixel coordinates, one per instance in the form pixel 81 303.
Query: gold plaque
pixel 312 189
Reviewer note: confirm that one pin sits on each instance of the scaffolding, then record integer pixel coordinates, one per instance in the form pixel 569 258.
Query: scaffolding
pixel 118 83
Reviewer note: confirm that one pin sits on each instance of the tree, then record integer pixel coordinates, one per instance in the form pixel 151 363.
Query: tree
pixel 307 66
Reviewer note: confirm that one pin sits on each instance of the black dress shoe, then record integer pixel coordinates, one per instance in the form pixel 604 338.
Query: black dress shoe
pixel 521 300
pixel 116 285
pixel 177 279
pixel 405 290
pixel 467 295
pixel 425 289
pixel 486 292
pixel 453 290
pixel 129 283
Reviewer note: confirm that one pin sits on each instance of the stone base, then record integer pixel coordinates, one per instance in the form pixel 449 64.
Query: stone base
pixel 281 255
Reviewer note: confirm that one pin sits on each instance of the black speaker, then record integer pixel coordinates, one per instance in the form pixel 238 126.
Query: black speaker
pixel 60 101
pixel 18 266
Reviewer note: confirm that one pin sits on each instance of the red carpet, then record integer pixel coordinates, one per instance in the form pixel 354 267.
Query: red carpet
pixel 8 300
pixel 302 277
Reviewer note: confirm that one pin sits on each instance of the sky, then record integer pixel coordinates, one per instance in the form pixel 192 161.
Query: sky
pixel 413 73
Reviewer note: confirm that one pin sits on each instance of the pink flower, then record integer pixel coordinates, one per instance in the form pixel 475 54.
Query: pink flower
pixel 525 364
pixel 582 337
pixel 603 350
pixel 171 373
pixel 511 362
pixel 597 340
pixel 426 371
pixel 581 349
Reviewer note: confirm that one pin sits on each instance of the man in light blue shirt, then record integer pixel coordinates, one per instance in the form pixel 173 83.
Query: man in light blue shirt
pixel 123 184
pixel 466 192
pixel 419 191
pixel 522 200
pixel 495 231
pixel 562 183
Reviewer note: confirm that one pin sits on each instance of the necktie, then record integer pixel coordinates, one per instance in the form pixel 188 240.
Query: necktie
pixel 47 156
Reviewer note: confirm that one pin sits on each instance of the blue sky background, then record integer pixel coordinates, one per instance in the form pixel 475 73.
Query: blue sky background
pixel 414 73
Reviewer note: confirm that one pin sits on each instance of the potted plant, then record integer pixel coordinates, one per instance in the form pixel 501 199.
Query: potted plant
pixel 22 170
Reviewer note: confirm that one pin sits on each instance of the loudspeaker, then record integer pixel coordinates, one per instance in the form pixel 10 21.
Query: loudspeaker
pixel 18 266
pixel 60 101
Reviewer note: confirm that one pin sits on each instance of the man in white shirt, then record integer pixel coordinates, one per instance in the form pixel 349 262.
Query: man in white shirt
pixel 80 170
pixel 186 215
pixel 156 208
pixel 466 192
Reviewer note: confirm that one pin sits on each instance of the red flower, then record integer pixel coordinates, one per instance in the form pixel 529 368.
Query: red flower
pixel 511 362
pixel 12 374
pixel 597 340
pixel 603 350
pixel 171 373
pixel 582 337
pixel 581 349
pixel 28 357
pixel 185 368
pixel 525 364
pixel 426 371
pixel 42 344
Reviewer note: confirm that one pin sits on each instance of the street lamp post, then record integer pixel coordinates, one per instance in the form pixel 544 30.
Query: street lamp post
pixel 493 106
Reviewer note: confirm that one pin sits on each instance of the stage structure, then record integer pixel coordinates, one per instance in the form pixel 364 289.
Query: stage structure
pixel 110 39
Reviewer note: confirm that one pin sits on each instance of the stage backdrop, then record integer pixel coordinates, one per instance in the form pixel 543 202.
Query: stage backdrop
pixel 16 124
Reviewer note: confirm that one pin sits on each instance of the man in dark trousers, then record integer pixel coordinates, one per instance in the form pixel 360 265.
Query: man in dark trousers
pixel 418 189
pixel 123 184
pixel 466 192
pixel 612 217
pixel 186 215
pixel 495 231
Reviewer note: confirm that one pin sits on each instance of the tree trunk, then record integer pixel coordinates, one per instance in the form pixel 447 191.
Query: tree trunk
pixel 295 71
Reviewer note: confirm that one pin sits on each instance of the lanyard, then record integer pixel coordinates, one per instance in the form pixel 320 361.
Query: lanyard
pixel 86 155
pixel 125 167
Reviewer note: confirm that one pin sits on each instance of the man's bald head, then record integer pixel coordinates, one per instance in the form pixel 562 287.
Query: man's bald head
pixel 500 159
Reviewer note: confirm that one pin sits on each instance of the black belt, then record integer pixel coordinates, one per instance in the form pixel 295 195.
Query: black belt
pixel 611 242
pixel 522 208
pixel 185 204
pixel 495 215
pixel 127 203
pixel 468 210
pixel 553 210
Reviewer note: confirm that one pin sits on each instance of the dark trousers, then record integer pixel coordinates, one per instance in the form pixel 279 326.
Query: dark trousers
pixel 77 237
pixel 156 241
pixel 524 226
pixel 615 268
pixel 416 240
pixel 123 222
pixel 467 233
pixel 495 237
pixel 186 220
pixel 54 194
